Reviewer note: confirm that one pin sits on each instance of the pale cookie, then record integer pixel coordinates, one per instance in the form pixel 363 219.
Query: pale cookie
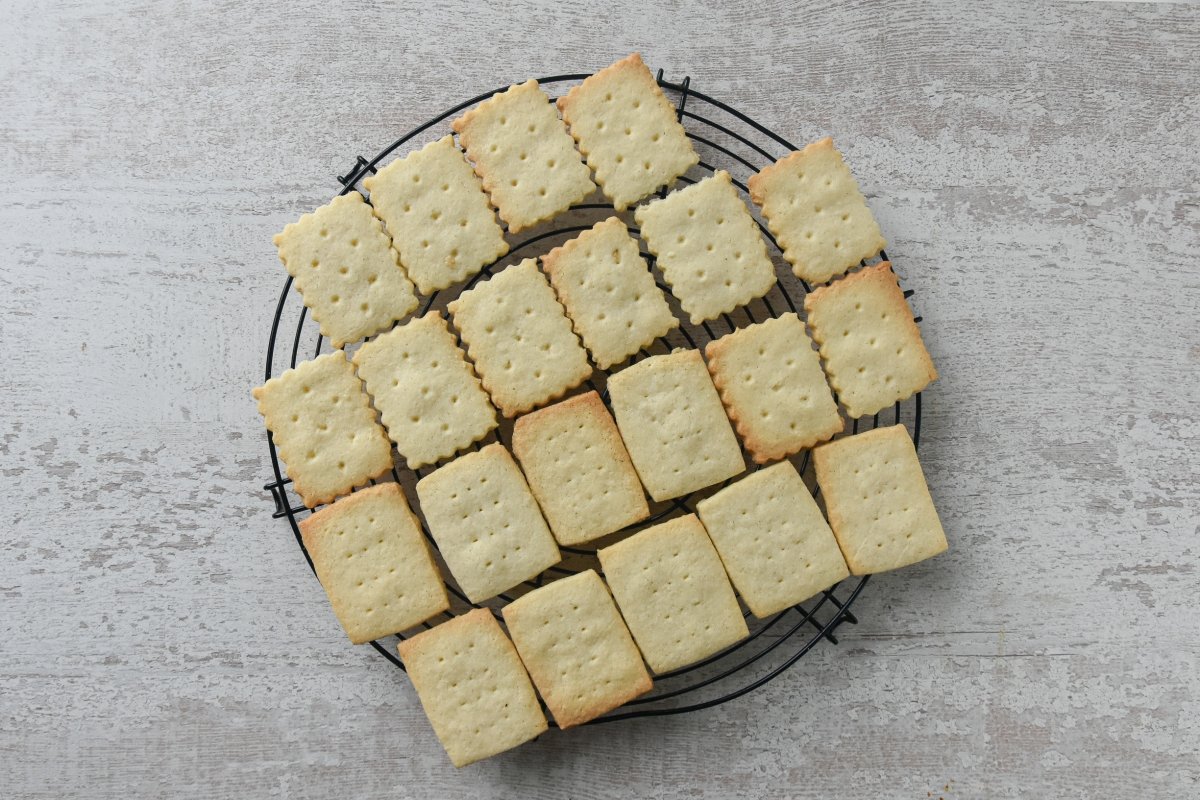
pixel 578 469
pixel 708 247
pixel 672 421
pixel 577 649
pixel 427 394
pixel 486 523
pixel 524 156
pixel 609 294
pixel 819 217
pixel 324 428
pixel 628 131
pixel 520 339
pixel 877 500
pixel 434 206
pixel 773 387
pixel 372 559
pixel 673 592
pixel 473 687
pixel 870 343
pixel 346 270
pixel 773 541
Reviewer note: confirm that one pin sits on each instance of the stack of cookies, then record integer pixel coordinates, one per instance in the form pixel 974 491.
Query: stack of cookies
pixel 580 469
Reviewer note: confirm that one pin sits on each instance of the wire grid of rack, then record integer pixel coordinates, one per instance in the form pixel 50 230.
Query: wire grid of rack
pixel 774 644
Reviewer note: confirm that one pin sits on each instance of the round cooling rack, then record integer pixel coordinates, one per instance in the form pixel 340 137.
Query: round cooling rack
pixel 726 139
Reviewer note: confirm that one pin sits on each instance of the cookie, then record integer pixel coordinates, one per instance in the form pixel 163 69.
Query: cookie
pixel 816 212
pixel 877 500
pixel 486 523
pixel 520 339
pixel 673 424
pixel 708 247
pixel 438 215
pixel 524 156
pixel 371 557
pixel 427 394
pixel 773 541
pixel 577 649
pixel 578 469
pixel 608 292
pixel 771 382
pixel 345 268
pixel 871 346
pixel 628 131
pixel 473 687
pixel 674 594
pixel 324 428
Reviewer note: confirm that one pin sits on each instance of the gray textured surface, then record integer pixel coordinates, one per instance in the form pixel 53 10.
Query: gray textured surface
pixel 1035 169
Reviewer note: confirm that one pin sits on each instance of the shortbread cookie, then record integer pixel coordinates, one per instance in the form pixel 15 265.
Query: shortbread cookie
pixel 673 592
pixel 486 523
pixel 773 387
pixel 578 469
pixel 773 541
pixel 427 394
pixel 473 687
pixel 577 649
pixel 372 559
pixel 346 270
pixel 708 247
pixel 434 206
pixel 672 421
pixel 524 156
pixel 609 294
pixel 520 339
pixel 870 343
pixel 324 428
pixel 877 500
pixel 816 212
pixel 628 131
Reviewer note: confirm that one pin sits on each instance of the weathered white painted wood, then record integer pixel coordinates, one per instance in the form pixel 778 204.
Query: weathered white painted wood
pixel 1034 167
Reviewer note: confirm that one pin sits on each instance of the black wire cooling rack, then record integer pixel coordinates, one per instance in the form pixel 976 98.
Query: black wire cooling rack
pixel 774 644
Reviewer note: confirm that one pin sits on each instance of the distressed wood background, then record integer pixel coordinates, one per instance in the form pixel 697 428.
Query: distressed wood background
pixel 1035 169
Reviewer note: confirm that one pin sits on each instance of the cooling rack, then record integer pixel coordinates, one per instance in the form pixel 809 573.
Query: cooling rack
pixel 726 139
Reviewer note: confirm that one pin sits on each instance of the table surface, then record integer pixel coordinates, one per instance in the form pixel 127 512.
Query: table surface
pixel 1034 168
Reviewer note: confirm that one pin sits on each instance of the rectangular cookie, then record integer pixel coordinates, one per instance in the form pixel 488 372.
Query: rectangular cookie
pixel 486 523
pixel 372 559
pixel 473 687
pixel 771 382
pixel 609 294
pixel 520 339
pixel 427 394
pixel 434 206
pixel 578 469
pixel 628 131
pixel 871 346
pixel 674 594
pixel 708 247
pixel 673 424
pixel 577 649
pixel 877 500
pixel 324 428
pixel 524 156
pixel 817 214
pixel 773 541
pixel 345 268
